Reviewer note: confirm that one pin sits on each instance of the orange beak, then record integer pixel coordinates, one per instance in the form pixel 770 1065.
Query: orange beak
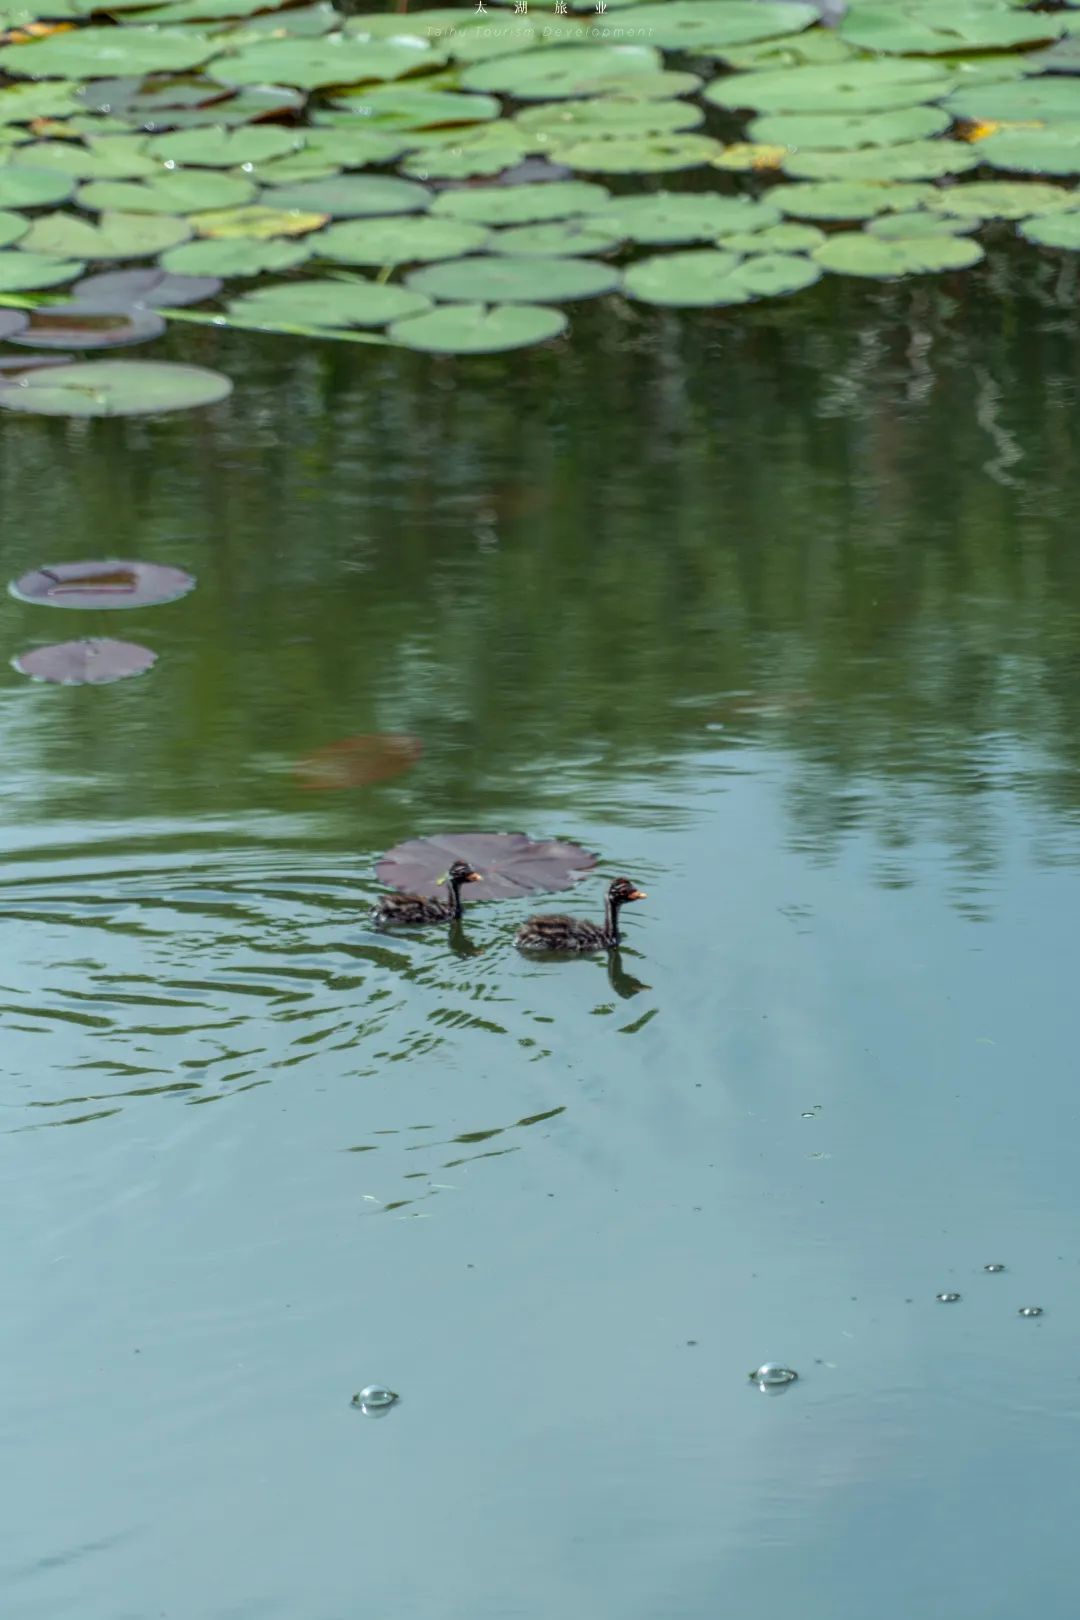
pixel 474 877
pixel 637 894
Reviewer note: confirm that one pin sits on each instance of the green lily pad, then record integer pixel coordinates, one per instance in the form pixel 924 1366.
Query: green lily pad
pixel 705 278
pixel 840 132
pixel 526 204
pixel 408 240
pixel 854 253
pixel 934 30
pixel 260 101
pixel 112 236
pixel 114 388
pixel 239 257
pixel 557 239
pixel 479 328
pixel 909 160
pixel 27 272
pixel 1049 98
pixel 919 223
pixel 256 222
pixel 1053 230
pixel 608 115
pixel 510 36
pixel 347 148
pixel 1034 151
pixel 88 53
pixel 12 226
pixel 311 64
pixel 641 154
pixel 814 47
pixel 668 218
pixel 561 70
pixel 848 87
pixel 1004 199
pixel 182 192
pixel 105 157
pixel 33 188
pixel 223 148
pixel 836 199
pixel 328 304
pixel 785 238
pixel 395 107
pixel 498 280
pixel 21 103
pixel 467 159
pixel 351 196
pixel 708 25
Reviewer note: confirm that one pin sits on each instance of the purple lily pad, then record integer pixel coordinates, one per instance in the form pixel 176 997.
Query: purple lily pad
pixel 85 663
pixel 12 364
pixel 89 326
pixel 12 321
pixel 155 288
pixel 102 585
pixel 510 864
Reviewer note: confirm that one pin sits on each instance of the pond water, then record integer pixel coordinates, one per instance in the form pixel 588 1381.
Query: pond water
pixel 778 612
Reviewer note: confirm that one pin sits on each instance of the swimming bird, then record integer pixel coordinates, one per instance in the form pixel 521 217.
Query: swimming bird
pixel 560 933
pixel 417 910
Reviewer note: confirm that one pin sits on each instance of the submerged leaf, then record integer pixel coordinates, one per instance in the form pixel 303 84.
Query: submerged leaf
pixel 83 325
pixel 358 761
pixel 86 663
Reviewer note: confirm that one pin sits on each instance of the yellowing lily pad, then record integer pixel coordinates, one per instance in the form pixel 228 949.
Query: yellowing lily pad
pixel 256 222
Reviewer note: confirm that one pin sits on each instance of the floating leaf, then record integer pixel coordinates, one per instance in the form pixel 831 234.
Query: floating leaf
pixel 705 278
pixel 1003 199
pixel 908 160
pixel 709 25
pixel 111 584
pixel 1053 230
pixel 644 154
pixel 406 240
pixel 854 253
pixel 394 107
pixel 23 187
pixel 479 328
pixel 482 155
pixel 90 52
pixel 114 236
pixel 555 239
pixel 358 761
pixel 223 148
pixel 561 70
pixel 512 866
pixel 672 217
pixel 21 103
pixel 328 303
pixel 521 205
pixel 255 222
pixel 919 223
pixel 847 87
pixel 88 326
pixel 12 226
pixel 811 48
pixel 608 115
pixel 27 272
pixel 115 388
pixel 105 157
pixel 86 663
pixel 784 238
pixel 12 321
pixel 514 280
pixel 351 196
pixel 838 132
pixel 934 31
pixel 311 64
pixel 835 199
pixel 182 192
pixel 240 257
pixel 1034 151
pixel 1018 101
pixel 743 156
pixel 152 288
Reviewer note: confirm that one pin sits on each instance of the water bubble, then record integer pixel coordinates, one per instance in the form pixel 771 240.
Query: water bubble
pixel 170 163
pixel 994 1265
pixel 947 1299
pixel 374 1400
pixel 771 1375
pixel 1031 1310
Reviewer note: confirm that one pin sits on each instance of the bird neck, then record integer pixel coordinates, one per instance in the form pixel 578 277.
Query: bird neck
pixel 611 919
pixel 454 885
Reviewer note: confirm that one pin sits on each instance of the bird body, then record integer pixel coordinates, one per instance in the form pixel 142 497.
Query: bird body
pixel 420 910
pixel 554 932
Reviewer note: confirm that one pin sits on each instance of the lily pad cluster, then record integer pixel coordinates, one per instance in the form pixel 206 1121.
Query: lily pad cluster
pixel 458 181
pixel 95 585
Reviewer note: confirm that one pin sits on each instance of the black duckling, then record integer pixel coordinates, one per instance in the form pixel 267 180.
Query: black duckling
pixel 415 910
pixel 557 933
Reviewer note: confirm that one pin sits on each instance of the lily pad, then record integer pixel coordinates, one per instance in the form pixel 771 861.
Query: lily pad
pixel 104 157
pixel 876 86
pixel 919 223
pixel 85 663
pixel 607 115
pixel 511 865
pixel 239 257
pixel 12 226
pixel 111 584
pixel 24 187
pixel 28 272
pixel 706 278
pixel 84 325
pixel 398 107
pixel 788 237
pixel 1053 230
pixel 1003 199
pixel 87 53
pixel 934 30
pixel 498 280
pixel 839 132
pixel 405 240
pixel 1034 151
pixel 1047 98
pixel 113 236
pixel 223 148
pixel 468 159
pixel 312 64
pixel 328 304
pixel 561 70
pixel 668 218
pixel 641 154
pixel 115 388
pixel 358 761
pixel 708 25
pixel 351 196
pixel 154 289
pixel 183 192
pixel 909 160
pixel 557 238
pixel 855 253
pixel 21 103
pixel 479 328
pixel 256 223
pixel 836 199
pixel 521 205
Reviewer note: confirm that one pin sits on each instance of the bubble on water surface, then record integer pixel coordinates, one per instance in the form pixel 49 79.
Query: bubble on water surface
pixel 771 1375
pixel 1031 1310
pixel 947 1298
pixel 374 1400
pixel 994 1265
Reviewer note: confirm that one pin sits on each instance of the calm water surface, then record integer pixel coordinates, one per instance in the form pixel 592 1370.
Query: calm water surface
pixel 779 612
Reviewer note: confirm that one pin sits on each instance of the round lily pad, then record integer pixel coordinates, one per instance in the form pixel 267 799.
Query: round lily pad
pixel 919 223
pixel 1053 230
pixel 229 258
pixel 350 196
pixel 154 289
pixel 836 199
pixel 103 157
pixel 20 103
pixel 25 187
pixel 111 584
pixel 394 107
pixel 837 132
pixel 12 226
pixel 557 238
pixel 311 64
pixel 875 86
pixel 115 388
pixel 256 223
pixel 1004 199
pixel 87 53
pixel 1044 99
pixel 706 278
pixel 561 70
pixel 663 218
pixel 855 253
pixel 511 865
pixel 84 325
pixel 479 328
pixel 328 303
pixel 181 192
pixel 358 761
pixel 637 154
pixel 112 236
pixel 468 159
pixel 789 237
pixel 411 239
pixel 224 148
pixel 708 25
pixel 607 115
pixel 29 272
pixel 499 280
pixel 521 205
pixel 908 160
pixel 936 31
pixel 1034 151
pixel 85 663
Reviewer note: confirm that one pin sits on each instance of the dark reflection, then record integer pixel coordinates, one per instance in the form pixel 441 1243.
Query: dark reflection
pixel 623 983
pixel 460 943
